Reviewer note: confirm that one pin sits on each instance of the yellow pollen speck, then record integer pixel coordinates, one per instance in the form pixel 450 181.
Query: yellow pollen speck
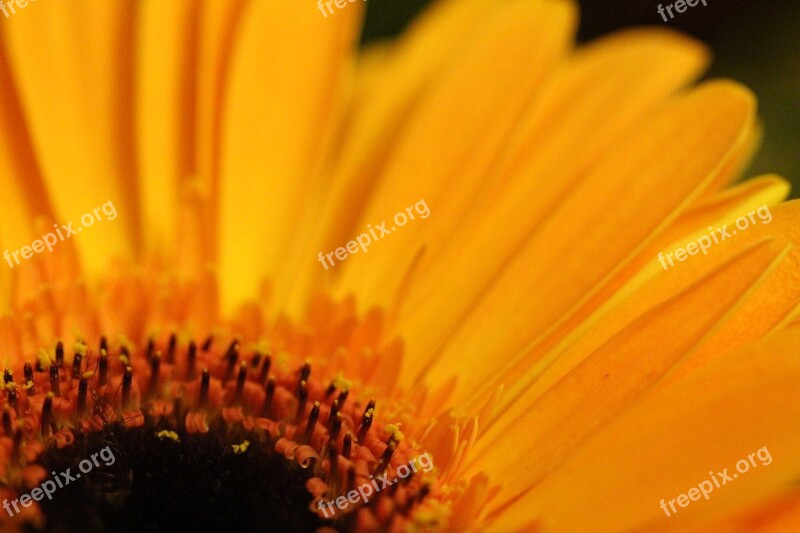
pixel 28 385
pixel 165 434
pixel 125 361
pixel 9 386
pixel 88 374
pixel 341 383
pixel 241 448
pixel 80 348
pixel 394 429
pixel 261 346
pixel 124 342
pixel 45 358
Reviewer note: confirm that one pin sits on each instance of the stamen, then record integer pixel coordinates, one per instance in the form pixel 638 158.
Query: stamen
pixel 342 398
pixel 155 365
pixel 7 428
pixel 336 427
pixel 60 354
pixel 366 422
pixel 383 462
pixel 191 356
pixel 205 380
pixel 265 368
pixel 207 344
pixel 347 445
pixel 151 346
pixel 240 380
pixel 312 421
pixel 11 398
pixel 76 366
pixel 103 364
pixel 266 410
pixel 103 344
pixel 7 376
pixel 305 371
pixel 370 406
pixel 28 373
pixel 334 412
pixel 331 388
pixel 231 356
pixel 55 382
pixel 333 435
pixel 127 380
pixel 173 341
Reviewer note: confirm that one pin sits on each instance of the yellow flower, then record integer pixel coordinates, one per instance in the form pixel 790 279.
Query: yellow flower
pixel 207 314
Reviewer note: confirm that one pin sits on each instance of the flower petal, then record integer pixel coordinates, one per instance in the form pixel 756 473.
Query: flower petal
pixel 597 228
pixel 165 38
pixel 74 83
pixel 279 105
pixel 551 154
pixel 536 34
pixel 716 417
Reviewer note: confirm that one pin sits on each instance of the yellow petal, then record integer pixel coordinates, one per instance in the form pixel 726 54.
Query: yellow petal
pixel 279 104
pixel 597 228
pixel 667 444
pixel 560 140
pixel 590 326
pixel 217 23
pixel 72 65
pixel 165 39
pixel 765 305
pixel 381 97
pixel 20 180
pixel 536 34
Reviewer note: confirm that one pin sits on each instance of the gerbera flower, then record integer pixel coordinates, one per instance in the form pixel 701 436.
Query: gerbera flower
pixel 519 360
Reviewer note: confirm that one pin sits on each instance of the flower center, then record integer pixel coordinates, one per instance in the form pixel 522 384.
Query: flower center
pixel 209 436
pixel 182 483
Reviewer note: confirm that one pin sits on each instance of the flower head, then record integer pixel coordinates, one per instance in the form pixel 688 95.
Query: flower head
pixel 517 358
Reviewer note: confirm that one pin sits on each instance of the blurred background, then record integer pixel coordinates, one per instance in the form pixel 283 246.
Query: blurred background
pixel 754 42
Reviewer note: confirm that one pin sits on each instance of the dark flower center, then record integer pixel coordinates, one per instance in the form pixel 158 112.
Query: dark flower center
pixel 181 482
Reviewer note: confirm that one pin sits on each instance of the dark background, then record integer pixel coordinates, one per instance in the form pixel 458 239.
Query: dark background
pixel 756 42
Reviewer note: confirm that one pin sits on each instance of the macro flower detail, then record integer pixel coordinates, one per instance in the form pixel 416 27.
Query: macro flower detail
pixel 168 407
pixel 187 364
